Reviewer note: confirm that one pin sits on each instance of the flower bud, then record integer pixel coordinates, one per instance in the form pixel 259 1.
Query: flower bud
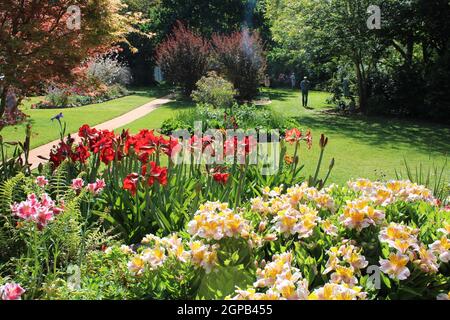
pixel 262 226
pixel 323 141
pixel 270 237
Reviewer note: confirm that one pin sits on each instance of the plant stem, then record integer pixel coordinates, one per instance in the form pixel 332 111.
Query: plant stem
pixel 319 164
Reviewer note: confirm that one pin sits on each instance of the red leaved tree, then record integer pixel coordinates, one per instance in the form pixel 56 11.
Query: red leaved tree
pixel 183 58
pixel 42 41
pixel 240 57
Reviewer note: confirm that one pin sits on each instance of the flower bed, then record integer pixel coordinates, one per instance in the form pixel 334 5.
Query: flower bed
pixel 75 97
pixel 117 217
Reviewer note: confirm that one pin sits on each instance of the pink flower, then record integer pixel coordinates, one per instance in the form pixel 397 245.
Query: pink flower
pixel 46 201
pixel 77 184
pixel 23 210
pixel 11 291
pixel 43 217
pixel 100 185
pixel 40 212
pixel 395 266
pixel 32 199
pixel 97 187
pixel 41 181
pixel 91 188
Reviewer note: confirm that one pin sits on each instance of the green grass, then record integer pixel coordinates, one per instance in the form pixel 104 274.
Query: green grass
pixel 371 147
pixel 44 130
pixel 367 147
pixel 154 119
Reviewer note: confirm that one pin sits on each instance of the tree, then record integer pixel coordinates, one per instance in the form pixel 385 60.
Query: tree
pixel 203 16
pixel 336 27
pixel 183 58
pixel 138 49
pixel 240 57
pixel 418 64
pixel 41 41
pixel 399 69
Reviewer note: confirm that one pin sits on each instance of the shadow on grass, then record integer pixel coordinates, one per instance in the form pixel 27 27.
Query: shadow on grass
pixel 279 94
pixel 180 105
pixel 151 92
pixel 380 132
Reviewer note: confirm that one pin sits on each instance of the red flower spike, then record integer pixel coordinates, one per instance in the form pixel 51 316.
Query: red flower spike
pixel 130 183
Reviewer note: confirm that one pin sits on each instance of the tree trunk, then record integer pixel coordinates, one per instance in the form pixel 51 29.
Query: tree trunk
pixel 3 95
pixel 425 54
pixel 409 51
pixel 362 90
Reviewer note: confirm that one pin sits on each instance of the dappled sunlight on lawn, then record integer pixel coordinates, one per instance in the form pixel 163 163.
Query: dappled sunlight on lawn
pixel 364 146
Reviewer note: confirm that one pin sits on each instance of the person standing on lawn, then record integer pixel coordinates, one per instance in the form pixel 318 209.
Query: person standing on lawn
pixel 304 86
pixel 293 80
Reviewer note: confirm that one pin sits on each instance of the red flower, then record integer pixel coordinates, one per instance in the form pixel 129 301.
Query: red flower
pixel 155 173
pixel 170 146
pixel 195 143
pixel 145 142
pixel 248 145
pixel 85 131
pixel 221 178
pixel 107 155
pixel 103 139
pixel 130 183
pixel 293 135
pixel 81 154
pixel 61 153
pixel 230 146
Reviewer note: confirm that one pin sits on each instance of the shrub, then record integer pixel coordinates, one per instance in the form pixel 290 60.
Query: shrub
pixel 108 70
pixel 58 97
pixel 438 84
pixel 79 100
pixel 170 125
pixel 214 90
pixel 246 116
pixel 183 58
pixel 115 91
pixel 241 59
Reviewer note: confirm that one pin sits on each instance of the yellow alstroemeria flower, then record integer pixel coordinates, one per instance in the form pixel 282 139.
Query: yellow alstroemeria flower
pixel 395 266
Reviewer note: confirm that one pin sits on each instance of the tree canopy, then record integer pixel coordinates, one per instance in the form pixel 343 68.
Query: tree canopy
pixel 38 43
pixel 405 54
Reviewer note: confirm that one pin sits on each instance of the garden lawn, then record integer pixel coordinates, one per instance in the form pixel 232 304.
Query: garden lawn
pixel 367 147
pixel 370 147
pixel 155 119
pixel 44 130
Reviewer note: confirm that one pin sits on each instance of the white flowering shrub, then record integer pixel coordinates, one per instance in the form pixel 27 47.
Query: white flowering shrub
pixel 109 70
